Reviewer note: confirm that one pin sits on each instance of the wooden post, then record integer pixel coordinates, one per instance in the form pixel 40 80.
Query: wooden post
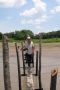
pixel 23 62
pixel 53 79
pixel 18 65
pixel 39 73
pixel 40 85
pixel 6 70
pixel 33 59
pixel 36 63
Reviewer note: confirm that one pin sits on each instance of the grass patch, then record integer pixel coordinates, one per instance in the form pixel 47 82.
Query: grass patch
pixel 52 40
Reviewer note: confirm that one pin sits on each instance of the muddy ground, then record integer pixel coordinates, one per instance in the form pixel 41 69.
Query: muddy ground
pixel 50 60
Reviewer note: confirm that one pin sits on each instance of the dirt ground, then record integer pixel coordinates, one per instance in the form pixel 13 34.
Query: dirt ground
pixel 50 59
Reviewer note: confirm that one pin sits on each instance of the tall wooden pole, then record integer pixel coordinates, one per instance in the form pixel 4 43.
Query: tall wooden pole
pixel 6 70
pixel 18 65
pixel 36 63
pixel 40 85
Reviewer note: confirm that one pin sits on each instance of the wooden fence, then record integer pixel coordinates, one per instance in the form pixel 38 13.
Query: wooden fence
pixel 29 75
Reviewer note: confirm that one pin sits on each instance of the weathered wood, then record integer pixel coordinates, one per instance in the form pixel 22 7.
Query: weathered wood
pixel 18 65
pixel 40 84
pixel 23 61
pixel 36 63
pixel 53 79
pixel 6 70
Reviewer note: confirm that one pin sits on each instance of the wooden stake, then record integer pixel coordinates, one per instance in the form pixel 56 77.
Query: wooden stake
pixel 23 61
pixel 18 65
pixel 53 79
pixel 36 63
pixel 6 70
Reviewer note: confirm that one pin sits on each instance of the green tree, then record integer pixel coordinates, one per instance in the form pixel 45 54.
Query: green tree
pixel 23 34
pixel 0 36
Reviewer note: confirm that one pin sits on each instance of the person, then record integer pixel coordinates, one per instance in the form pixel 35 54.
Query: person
pixel 29 48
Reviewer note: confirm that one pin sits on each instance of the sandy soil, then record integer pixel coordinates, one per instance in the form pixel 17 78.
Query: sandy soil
pixel 50 60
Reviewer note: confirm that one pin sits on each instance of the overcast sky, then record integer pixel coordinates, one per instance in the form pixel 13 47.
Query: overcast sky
pixel 36 15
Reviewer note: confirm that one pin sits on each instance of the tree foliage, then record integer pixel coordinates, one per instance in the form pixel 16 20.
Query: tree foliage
pixel 22 34
pixel 19 35
pixel 0 35
pixel 53 34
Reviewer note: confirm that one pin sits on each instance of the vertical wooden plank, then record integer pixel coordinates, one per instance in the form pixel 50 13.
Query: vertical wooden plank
pixel 6 70
pixel 18 65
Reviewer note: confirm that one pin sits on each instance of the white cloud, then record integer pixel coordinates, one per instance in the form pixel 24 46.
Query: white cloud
pixel 41 19
pixel 30 21
pixel 39 6
pixel 38 27
pixel 36 21
pixel 58 1
pixel 55 10
pixel 44 17
pixel 23 2
pixel 24 21
pixel 52 11
pixel 7 3
pixel 29 12
pixel 9 17
pixel 11 3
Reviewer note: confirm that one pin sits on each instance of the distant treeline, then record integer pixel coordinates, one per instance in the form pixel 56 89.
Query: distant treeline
pixel 21 35
pixel 53 34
